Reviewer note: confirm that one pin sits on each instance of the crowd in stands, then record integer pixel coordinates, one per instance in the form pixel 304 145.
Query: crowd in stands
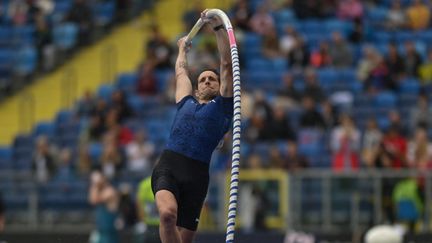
pixel 327 84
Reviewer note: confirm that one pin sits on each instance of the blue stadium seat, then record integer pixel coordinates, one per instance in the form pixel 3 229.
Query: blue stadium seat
pixel 284 16
pixel 65 35
pixel 104 12
pixel 64 116
pixel 24 34
pixel 127 81
pixel 44 128
pixel 344 27
pixel 105 91
pixel 26 60
pixel 409 86
pixel 163 78
pixel 251 41
pixel 95 151
pixel 385 100
pixel 5 158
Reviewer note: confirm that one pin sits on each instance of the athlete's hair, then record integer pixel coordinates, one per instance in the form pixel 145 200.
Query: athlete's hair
pixel 197 74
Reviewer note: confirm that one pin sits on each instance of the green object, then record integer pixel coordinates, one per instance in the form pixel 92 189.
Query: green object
pixel 147 200
pixel 408 190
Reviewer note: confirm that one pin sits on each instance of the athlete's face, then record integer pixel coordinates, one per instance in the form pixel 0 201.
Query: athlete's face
pixel 208 86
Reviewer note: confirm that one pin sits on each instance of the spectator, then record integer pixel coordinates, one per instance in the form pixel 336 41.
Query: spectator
pixel 312 87
pixel 345 145
pixel 370 59
pixel 311 118
pixel 43 41
pixel 371 142
pixel 270 46
pixel 393 148
pixel 396 18
pixel 127 208
pixel 139 152
pixel 122 134
pixel 101 108
pixel 340 52
pixel 350 9
pixel 262 21
pixel 321 57
pixel 329 114
pixel 275 157
pixel 395 120
pixel 94 130
pixel 105 198
pixel 147 212
pixel 17 12
pixel 81 14
pixel 307 8
pixel 373 71
pixel 421 115
pixel 418 15
pixel 147 84
pixel 288 92
pixel 395 63
pixel 119 103
pixel 111 160
pixel 241 14
pixel 357 35
pixel 288 40
pixel 298 58
pixel 85 163
pixel 419 153
pixel 66 166
pixel 43 164
pixel 293 161
pixel 159 50
pixel 280 128
pixel 425 69
pixel 413 60
pixel 87 105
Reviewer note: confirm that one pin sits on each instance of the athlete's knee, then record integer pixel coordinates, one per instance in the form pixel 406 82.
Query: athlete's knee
pixel 168 216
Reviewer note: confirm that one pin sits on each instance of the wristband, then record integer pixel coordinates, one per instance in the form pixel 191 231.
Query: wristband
pixel 218 27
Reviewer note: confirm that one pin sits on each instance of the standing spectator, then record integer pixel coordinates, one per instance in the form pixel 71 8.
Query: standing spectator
pixel 311 118
pixel 312 87
pixel 345 145
pixel 139 152
pixel 43 164
pixel 298 58
pixel 396 18
pixel 425 69
pixel 321 57
pixel 340 52
pixel 262 21
pixel 418 15
pixel 147 212
pixel 158 49
pixel 371 142
pixel 81 14
pixel 392 152
pixel 395 63
pixel 421 115
pixel 413 60
pixel 105 198
pixel 350 9
pixel 420 151
pixel 241 14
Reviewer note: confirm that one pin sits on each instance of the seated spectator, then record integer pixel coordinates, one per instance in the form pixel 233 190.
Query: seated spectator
pixel 329 114
pixel 81 14
pixel 419 153
pixel 139 152
pixel 261 119
pixel 311 118
pixel 43 162
pixel 345 145
pixel 371 142
pixel 369 60
pixel 395 63
pixel 312 87
pixel 392 151
pixel 275 158
pixel 17 12
pixel 288 93
pixel 418 15
pixel 280 128
pixel 287 41
pixel 307 8
pixel 118 102
pixel 146 79
pixel 357 34
pixel 340 52
pixel 373 71
pixel 66 166
pixel 350 9
pixel 84 163
pixel 396 18
pixel 421 114
pixel 321 57
pixel 292 160
pixel 425 69
pixel 241 14
pixel 395 120
pixel 298 58
pixel 86 105
pixel 158 49
pixel 412 59
pixel 122 134
pixel 262 20
pixel 270 46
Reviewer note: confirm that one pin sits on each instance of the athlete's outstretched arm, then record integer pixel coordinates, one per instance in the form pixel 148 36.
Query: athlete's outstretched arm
pixel 226 77
pixel 183 83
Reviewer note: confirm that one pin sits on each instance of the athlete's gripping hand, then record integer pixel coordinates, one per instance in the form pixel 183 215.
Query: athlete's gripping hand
pixel 183 45
pixel 215 22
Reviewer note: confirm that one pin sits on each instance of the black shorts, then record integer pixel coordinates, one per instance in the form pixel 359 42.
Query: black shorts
pixel 188 180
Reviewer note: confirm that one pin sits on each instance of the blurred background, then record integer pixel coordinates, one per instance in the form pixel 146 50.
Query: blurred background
pixel 336 108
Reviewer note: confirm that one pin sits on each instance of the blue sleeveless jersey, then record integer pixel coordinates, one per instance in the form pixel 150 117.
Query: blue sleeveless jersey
pixel 198 128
